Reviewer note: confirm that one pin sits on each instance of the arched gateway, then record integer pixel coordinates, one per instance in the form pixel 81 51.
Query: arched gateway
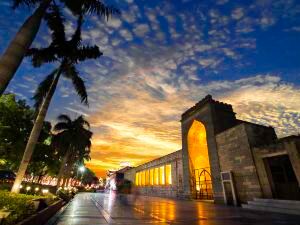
pixel 224 159
pixel 200 179
pixel 201 168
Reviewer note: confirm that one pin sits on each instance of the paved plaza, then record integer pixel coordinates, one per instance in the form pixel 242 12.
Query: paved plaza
pixel 100 208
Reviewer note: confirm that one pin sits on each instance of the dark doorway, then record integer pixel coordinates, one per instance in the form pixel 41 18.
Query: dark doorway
pixel 282 178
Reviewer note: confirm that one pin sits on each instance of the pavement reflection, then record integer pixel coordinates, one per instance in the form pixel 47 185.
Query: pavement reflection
pixel 110 208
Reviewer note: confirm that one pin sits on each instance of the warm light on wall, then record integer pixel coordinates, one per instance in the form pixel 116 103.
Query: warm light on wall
pixel 155 176
pixel 168 174
pixel 140 178
pixel 143 178
pixel 162 175
pixel 147 177
pixel 137 179
pixel 197 147
pixel 151 177
pixel 198 153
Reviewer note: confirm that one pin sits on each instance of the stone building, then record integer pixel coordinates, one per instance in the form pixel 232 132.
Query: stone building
pixel 223 159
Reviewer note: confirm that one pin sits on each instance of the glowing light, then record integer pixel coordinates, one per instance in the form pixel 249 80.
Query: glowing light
pixel 28 188
pixel 147 177
pixel 143 178
pixel 82 169
pixel 198 152
pixel 168 174
pixel 36 189
pixel 156 177
pixel 151 177
pixel 162 175
pixel 45 191
pixel 197 146
pixel 21 186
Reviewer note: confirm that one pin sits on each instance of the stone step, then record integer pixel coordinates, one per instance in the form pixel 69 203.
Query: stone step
pixel 276 204
pixel 271 209
pixel 278 201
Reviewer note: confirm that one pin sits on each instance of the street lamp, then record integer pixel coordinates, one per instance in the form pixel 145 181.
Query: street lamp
pixel 82 169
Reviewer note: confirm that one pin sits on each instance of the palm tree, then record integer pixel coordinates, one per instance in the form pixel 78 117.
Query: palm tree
pixel 16 50
pixel 68 53
pixel 74 141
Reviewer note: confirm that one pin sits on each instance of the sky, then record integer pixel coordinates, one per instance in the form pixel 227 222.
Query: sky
pixel 160 58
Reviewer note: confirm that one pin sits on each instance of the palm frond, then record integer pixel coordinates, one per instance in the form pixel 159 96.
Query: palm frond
pixel 71 73
pixel 87 52
pixel 41 56
pixel 61 126
pixel 99 8
pixel 55 22
pixel 76 37
pixel 83 122
pixel 29 3
pixel 91 6
pixel 64 118
pixel 43 89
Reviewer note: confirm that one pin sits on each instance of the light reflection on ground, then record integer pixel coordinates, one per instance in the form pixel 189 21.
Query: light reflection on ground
pixel 99 208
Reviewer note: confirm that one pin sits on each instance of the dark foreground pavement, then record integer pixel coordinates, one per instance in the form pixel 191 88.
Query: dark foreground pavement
pixel 98 208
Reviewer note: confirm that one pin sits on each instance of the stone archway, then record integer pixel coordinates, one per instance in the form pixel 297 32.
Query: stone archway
pixel 199 165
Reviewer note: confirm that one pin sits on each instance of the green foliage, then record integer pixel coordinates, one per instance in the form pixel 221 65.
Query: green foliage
pixel 65 195
pixel 16 122
pixel 15 126
pixel 89 177
pixel 20 205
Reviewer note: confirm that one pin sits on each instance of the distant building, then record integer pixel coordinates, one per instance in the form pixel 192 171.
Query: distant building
pixel 114 178
pixel 223 159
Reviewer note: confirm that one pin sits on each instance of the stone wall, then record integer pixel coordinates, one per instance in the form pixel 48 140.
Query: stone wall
pixel 173 190
pixel 234 150
pixel 216 117
pixel 287 146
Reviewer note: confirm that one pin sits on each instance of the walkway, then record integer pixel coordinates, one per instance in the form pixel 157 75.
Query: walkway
pixel 98 208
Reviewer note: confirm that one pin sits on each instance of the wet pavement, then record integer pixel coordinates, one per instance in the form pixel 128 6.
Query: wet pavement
pixel 100 208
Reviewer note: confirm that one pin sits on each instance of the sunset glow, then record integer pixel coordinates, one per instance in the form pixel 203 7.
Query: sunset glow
pixel 162 57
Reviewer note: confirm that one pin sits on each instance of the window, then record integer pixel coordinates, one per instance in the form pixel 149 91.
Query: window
pixel 151 177
pixel 147 177
pixel 156 177
pixel 140 178
pixel 143 178
pixel 162 175
pixel 136 179
pixel 168 174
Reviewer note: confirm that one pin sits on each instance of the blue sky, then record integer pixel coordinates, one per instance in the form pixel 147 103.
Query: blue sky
pixel 160 57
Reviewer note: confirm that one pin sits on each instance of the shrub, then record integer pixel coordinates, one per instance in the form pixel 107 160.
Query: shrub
pixel 20 205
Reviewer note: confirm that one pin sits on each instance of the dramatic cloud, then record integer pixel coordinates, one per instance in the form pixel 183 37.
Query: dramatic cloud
pixel 160 58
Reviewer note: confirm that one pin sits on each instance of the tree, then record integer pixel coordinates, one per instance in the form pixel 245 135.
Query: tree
pixel 89 177
pixel 16 122
pixel 74 141
pixel 16 50
pixel 68 53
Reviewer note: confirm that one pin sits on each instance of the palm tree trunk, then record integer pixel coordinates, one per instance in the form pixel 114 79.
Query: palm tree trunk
pixel 15 52
pixel 35 133
pixel 62 169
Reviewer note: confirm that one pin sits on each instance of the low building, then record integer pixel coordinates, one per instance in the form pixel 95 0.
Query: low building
pixel 223 159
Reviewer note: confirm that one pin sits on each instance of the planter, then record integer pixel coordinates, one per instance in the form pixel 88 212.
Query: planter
pixel 41 217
